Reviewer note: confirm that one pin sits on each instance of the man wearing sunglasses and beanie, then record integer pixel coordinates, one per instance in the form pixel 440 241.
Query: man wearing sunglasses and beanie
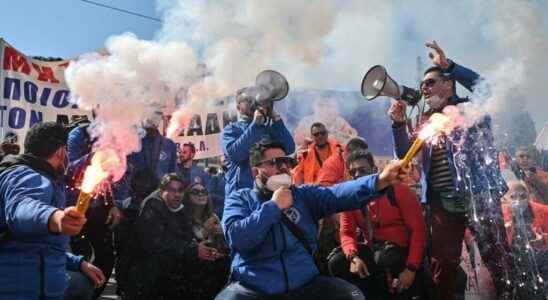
pixel 271 229
pixel 461 183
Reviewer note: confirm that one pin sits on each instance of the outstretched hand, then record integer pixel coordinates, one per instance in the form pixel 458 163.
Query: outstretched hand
pixel 437 56
pixel 391 174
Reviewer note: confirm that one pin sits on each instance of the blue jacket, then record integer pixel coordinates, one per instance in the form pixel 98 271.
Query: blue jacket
pixel 78 143
pixel 266 256
pixel 217 193
pixel 478 171
pixel 197 174
pixel 167 156
pixel 237 139
pixel 32 254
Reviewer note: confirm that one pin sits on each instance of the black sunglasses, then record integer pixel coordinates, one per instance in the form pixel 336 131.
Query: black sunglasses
pixel 360 171
pixel 279 161
pixel 430 82
pixel 198 192
pixel 317 134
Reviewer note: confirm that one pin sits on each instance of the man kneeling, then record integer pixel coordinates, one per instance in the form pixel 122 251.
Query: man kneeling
pixel 272 229
pixel 390 265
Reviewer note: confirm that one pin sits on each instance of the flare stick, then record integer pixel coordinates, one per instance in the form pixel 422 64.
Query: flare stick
pixel 83 202
pixel 417 145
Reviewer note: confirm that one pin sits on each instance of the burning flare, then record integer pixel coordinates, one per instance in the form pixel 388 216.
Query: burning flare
pixel 436 124
pixel 103 164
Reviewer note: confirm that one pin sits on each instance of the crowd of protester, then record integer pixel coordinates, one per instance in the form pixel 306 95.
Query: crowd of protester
pixel 272 221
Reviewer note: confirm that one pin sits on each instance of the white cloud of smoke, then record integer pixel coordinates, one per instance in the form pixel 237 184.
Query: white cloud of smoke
pixel 326 44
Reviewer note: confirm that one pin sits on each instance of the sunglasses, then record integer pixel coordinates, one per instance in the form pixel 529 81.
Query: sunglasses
pixel 198 192
pixel 360 171
pixel 279 161
pixel 317 134
pixel 430 82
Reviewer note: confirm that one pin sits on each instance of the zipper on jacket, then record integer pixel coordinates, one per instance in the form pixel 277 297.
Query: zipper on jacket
pixel 286 279
pixel 273 230
pixel 42 277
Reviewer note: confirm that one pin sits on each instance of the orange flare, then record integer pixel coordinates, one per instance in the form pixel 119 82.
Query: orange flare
pixel 436 124
pixel 102 162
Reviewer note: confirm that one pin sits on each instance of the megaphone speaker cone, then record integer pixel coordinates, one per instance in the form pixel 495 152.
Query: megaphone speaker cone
pixel 373 82
pixel 273 83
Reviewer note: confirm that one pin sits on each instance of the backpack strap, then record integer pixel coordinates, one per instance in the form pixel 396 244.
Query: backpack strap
pixel 298 233
pixel 391 195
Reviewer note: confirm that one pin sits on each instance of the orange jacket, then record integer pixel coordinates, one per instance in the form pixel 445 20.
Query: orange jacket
pixel 539 225
pixel 306 172
pixel 333 170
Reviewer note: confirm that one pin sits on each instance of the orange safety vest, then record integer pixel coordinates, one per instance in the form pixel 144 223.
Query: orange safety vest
pixel 308 168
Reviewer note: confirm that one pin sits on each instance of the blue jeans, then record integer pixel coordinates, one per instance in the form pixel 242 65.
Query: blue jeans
pixel 322 287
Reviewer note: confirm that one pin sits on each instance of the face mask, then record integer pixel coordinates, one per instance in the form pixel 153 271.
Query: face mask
pixel 435 102
pixel 276 181
pixel 519 205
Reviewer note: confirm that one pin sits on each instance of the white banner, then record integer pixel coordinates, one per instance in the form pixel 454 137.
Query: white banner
pixel 32 91
pixel 206 125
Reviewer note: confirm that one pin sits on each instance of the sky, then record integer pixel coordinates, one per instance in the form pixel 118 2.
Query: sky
pixel 68 28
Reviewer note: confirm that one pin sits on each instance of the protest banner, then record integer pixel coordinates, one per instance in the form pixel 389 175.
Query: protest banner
pixel 32 91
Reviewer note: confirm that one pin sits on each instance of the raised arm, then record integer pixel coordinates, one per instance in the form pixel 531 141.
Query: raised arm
pixel 236 143
pixel 349 195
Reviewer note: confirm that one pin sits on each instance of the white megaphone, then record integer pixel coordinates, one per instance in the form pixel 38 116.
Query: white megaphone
pixel 377 82
pixel 270 86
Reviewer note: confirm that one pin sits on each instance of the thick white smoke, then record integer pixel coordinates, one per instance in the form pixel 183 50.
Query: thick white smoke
pixel 128 85
pixel 330 44
pixel 325 44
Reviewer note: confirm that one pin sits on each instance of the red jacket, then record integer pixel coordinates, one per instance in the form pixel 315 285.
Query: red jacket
pixel 539 226
pixel 402 224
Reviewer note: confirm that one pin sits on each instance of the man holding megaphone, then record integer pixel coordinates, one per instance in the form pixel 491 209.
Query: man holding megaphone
pixel 257 119
pixel 448 196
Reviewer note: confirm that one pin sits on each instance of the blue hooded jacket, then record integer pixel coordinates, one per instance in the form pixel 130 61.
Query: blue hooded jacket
pixel 266 256
pixel 167 156
pixel 33 261
pixel 237 139
pixel 478 171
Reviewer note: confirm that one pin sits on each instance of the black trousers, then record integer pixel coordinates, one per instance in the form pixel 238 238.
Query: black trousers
pixel 99 236
pixel 375 286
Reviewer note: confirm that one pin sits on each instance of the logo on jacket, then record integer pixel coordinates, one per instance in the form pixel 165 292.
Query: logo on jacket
pixel 293 214
pixel 163 155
